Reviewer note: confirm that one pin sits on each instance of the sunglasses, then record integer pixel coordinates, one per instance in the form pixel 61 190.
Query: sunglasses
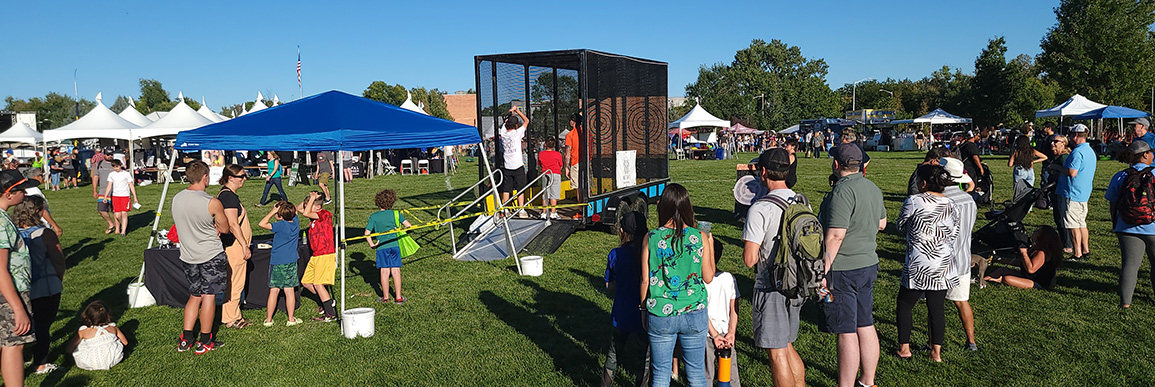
pixel 239 176
pixel 1058 142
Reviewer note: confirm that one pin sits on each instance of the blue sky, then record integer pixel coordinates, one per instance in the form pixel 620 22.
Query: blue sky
pixel 227 51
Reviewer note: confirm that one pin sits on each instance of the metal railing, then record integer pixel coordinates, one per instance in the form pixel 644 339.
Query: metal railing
pixel 492 191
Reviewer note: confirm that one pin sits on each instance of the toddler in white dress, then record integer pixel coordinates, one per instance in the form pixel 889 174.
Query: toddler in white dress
pixel 98 345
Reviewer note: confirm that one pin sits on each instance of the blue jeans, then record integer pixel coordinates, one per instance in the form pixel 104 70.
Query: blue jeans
pixel 268 184
pixel 689 329
pixel 55 176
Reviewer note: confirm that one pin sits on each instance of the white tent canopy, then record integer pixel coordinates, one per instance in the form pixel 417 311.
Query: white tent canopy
pixel 21 133
pixel 98 123
pixel 208 113
pixel 409 105
pixel 790 130
pixel 258 105
pixel 699 117
pixel 180 118
pixel 130 114
pixel 936 117
pixel 1074 106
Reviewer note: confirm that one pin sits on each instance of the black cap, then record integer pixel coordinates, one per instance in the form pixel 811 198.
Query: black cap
pixel 848 155
pixel 633 223
pixel 774 159
pixel 11 180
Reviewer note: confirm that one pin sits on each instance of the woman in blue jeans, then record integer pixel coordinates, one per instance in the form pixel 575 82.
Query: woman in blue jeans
pixel 273 178
pixel 674 288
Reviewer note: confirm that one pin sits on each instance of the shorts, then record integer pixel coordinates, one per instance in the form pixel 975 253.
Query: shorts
pixel 103 204
pixel 321 270
pixel 324 178
pixel 121 204
pixel 283 276
pixel 962 292
pixel 775 318
pixel 573 172
pixel 8 323
pixel 552 186
pixel 1076 215
pixel 388 257
pixel 208 278
pixel 853 299
pixel 512 179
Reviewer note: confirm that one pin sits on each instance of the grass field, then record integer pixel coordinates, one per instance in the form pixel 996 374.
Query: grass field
pixel 481 324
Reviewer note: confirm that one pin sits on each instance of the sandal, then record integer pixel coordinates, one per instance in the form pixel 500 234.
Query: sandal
pixel 240 323
pixel 46 368
pixel 110 230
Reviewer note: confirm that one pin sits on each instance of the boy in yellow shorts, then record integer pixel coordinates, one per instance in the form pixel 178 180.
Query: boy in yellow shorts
pixel 323 264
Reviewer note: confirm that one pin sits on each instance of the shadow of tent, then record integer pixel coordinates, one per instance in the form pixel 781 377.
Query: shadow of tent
pixel 367 270
pixel 138 220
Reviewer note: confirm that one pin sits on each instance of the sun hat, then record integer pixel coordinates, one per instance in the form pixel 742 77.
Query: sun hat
pixel 955 168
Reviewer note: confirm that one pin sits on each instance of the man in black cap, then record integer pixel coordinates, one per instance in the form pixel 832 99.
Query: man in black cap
pixel 775 315
pixel 15 281
pixel 969 154
pixel 1143 131
pixel 852 215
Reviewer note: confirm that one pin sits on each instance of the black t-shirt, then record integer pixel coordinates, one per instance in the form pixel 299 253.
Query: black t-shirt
pixel 966 151
pixel 1044 147
pixel 229 200
pixel 792 175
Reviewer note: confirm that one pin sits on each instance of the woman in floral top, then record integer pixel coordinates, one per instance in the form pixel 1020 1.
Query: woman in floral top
pixel 674 278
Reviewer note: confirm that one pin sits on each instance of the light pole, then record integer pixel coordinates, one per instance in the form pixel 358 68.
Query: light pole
pixel 888 92
pixel 854 93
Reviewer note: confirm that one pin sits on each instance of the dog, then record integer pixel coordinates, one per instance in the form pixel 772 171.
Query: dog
pixel 982 264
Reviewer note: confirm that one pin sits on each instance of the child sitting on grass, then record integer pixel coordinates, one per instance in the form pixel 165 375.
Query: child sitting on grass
pixel 388 250
pixel 323 262
pixel 282 260
pixel 722 308
pixel 623 274
pixel 98 345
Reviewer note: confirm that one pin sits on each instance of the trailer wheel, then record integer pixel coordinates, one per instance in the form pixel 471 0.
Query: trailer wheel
pixel 641 204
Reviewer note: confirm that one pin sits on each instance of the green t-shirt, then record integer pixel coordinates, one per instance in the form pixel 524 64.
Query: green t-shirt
pixel 382 221
pixel 676 284
pixel 855 204
pixel 19 261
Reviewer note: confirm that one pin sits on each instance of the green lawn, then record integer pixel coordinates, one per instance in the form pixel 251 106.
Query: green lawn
pixel 482 324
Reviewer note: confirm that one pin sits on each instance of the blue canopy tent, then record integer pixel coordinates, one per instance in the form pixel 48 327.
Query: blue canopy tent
pixel 330 121
pixel 1117 112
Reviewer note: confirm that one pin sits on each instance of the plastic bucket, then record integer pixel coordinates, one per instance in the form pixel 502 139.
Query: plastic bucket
pixel 531 265
pixel 139 296
pixel 358 322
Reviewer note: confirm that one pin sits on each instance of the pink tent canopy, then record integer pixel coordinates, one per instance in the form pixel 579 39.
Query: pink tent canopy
pixel 680 131
pixel 743 129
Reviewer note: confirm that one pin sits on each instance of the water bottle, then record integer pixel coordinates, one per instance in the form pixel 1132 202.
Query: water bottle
pixel 723 366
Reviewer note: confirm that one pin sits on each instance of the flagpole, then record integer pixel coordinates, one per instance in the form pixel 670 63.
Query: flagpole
pixel 300 90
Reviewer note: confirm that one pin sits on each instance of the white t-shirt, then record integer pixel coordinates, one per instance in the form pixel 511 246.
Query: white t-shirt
pixel 121 183
pixel 511 148
pixel 719 293
pixel 764 215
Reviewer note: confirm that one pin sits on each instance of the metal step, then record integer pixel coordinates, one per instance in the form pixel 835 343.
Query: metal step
pixel 552 237
pixel 491 243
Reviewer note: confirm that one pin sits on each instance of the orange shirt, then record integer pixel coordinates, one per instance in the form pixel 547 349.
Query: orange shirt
pixel 572 140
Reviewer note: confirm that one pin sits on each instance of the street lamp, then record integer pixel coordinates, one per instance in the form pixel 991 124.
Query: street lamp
pixel 888 92
pixel 854 93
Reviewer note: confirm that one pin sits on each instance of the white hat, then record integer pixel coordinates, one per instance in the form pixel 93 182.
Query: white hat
pixel 1079 128
pixel 955 168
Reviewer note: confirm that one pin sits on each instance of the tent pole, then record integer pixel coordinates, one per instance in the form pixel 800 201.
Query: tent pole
pixel 159 207
pixel 341 231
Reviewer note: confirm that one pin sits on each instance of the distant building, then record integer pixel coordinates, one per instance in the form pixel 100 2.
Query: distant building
pixel 676 101
pixel 462 107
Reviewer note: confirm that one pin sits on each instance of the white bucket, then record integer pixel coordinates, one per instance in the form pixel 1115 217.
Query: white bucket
pixel 531 265
pixel 139 296
pixel 358 322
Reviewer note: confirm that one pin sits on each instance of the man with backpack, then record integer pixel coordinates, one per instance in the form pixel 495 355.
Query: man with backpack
pixel 778 227
pixel 1132 196
pixel 852 215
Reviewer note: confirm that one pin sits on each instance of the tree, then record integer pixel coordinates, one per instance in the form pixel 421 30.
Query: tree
pixel 381 91
pixel 990 88
pixel 771 85
pixel 53 111
pixel 541 94
pixel 120 104
pixel 153 97
pixel 434 102
pixel 1103 49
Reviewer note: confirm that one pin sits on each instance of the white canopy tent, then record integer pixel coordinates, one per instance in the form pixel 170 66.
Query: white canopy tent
pixel 21 133
pixel 1073 106
pixel 699 117
pixel 130 114
pixel 410 106
pixel 180 118
pixel 791 130
pixel 208 113
pixel 258 105
pixel 98 123
pixel 155 115
pixel 936 117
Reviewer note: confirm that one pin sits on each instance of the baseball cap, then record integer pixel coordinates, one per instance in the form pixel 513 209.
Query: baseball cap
pixel 954 167
pixel 1141 121
pixel 11 180
pixel 1139 147
pixel 633 223
pixel 848 155
pixel 1079 128
pixel 970 133
pixel 774 159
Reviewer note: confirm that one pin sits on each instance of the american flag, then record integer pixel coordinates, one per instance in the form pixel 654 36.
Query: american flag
pixel 298 66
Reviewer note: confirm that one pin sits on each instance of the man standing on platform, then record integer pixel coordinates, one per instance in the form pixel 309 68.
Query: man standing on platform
pixel 325 173
pixel 200 219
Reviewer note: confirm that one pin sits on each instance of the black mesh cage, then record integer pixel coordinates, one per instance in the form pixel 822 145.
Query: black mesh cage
pixel 622 101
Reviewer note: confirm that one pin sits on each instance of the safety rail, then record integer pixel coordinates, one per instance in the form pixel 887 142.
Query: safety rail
pixel 492 191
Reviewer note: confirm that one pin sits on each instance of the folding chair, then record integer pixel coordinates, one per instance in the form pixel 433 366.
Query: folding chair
pixel 406 165
pixel 388 167
pixel 423 167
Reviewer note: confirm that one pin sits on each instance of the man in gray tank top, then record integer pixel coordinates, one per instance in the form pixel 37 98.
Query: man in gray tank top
pixel 200 219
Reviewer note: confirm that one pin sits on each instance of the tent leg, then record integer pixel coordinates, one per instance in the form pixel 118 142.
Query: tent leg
pixel 341 231
pixel 160 206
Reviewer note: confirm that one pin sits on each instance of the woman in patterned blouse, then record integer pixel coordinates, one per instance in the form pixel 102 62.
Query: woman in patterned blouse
pixel 931 227
pixel 674 278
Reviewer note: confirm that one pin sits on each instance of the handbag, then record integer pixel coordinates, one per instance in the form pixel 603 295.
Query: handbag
pixel 404 241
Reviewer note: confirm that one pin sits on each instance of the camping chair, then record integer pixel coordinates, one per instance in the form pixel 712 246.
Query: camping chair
pixel 423 167
pixel 406 165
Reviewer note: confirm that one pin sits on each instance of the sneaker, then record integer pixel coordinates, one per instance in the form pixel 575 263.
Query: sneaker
pixel 205 348
pixel 972 347
pixel 544 215
pixel 327 201
pixel 268 323
pixel 325 318
pixel 46 368
pixel 554 215
pixel 400 300
pixel 292 322
pixel 320 310
pixel 183 345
